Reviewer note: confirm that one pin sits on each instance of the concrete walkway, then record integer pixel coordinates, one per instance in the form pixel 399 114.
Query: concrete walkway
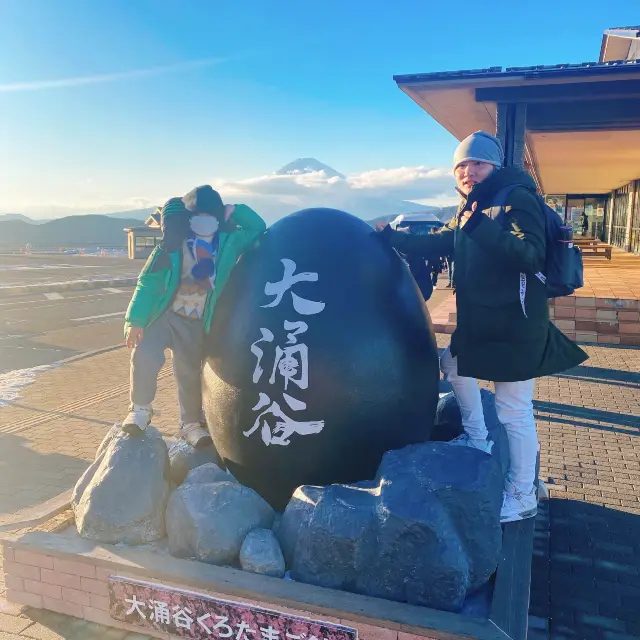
pixel 586 576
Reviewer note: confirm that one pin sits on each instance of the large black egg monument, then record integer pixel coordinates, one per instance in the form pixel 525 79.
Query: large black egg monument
pixel 321 357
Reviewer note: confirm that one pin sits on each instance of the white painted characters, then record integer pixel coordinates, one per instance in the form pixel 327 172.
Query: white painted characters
pixel 278 289
pixel 291 362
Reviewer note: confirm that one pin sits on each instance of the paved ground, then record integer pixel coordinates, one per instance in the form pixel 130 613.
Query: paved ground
pixel 19 269
pixel 586 575
pixel 41 328
pixel 615 278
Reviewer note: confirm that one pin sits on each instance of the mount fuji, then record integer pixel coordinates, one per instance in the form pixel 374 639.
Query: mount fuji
pixel 307 182
pixel 303 166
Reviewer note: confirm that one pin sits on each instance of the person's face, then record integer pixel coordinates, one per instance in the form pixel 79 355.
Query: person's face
pixel 470 173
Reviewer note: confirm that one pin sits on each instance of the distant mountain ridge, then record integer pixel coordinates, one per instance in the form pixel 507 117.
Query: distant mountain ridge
pixel 15 216
pixel 73 232
pixel 140 215
pixel 336 191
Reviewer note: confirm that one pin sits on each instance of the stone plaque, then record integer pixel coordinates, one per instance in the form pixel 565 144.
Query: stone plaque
pixel 192 615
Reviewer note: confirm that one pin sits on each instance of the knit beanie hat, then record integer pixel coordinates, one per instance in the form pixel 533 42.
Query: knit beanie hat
pixel 479 146
pixel 204 199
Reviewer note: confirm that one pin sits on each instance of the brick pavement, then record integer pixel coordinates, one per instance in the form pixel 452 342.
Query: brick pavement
pixel 586 573
pixel 49 436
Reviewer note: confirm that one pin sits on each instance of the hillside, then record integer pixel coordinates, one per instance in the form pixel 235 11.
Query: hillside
pixel 15 216
pixel 136 214
pixel 71 232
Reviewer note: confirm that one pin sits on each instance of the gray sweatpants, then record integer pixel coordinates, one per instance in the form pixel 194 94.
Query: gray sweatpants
pixel 184 337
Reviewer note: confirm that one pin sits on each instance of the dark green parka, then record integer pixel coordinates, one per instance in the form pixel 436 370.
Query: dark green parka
pixel 501 335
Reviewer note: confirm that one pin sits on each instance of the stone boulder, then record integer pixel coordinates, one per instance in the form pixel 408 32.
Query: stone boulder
pixel 261 553
pixel 207 474
pixel 426 531
pixel 210 521
pixel 448 421
pixel 184 458
pixel 122 496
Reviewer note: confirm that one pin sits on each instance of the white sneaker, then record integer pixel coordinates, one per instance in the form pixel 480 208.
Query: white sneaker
pixel 137 420
pixel 195 434
pixel 518 506
pixel 475 443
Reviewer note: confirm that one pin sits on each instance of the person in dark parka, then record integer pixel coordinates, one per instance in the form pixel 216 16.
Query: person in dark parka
pixel 503 332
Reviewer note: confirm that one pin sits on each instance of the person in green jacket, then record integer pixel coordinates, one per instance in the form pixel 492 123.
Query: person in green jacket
pixel 174 301
pixel 503 331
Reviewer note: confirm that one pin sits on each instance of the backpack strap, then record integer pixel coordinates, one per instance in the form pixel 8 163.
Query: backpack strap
pixel 500 201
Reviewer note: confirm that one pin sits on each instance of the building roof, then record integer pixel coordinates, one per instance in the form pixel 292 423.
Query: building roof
pixel 150 231
pixel 608 68
pixel 620 43
pixel 583 120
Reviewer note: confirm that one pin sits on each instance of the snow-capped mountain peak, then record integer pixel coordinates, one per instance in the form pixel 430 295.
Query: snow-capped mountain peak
pixel 308 165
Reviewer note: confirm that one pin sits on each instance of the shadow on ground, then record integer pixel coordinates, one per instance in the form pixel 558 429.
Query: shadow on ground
pixel 586 572
pixel 573 415
pixel 601 375
pixel 30 477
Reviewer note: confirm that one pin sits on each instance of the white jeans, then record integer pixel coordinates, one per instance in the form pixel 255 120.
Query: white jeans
pixel 514 406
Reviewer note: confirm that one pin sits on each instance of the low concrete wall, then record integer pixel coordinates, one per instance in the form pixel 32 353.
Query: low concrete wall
pixel 595 320
pixel 602 320
pixel 64 573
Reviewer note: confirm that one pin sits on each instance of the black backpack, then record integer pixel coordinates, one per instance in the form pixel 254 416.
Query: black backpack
pixel 563 272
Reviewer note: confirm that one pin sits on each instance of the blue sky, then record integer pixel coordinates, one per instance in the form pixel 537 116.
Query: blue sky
pixel 233 89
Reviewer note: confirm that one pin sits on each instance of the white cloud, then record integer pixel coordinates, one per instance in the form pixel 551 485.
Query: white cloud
pixel 62 83
pixel 368 195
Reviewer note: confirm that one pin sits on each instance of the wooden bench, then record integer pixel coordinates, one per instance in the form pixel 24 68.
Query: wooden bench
pixel 586 242
pixel 595 249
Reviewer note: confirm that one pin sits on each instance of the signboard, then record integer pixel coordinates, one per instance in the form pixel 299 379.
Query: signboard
pixel 191 615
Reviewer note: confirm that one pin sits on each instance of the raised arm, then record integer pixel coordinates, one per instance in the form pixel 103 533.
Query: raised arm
pixel 431 246
pixel 250 224
pixel 521 244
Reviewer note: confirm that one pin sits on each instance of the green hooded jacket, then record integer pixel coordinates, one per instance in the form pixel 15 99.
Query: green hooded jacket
pixel 495 338
pixel 160 277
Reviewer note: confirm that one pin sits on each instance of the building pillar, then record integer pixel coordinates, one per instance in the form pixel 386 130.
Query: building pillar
pixel 631 202
pixel 511 130
pixel 610 210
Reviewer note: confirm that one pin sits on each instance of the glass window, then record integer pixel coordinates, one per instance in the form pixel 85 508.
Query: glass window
pixel 619 219
pixel 575 215
pixel 558 204
pixel 139 241
pixel 593 223
pixel 150 242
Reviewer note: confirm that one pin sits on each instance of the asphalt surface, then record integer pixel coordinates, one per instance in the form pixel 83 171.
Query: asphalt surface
pixel 18 269
pixel 42 328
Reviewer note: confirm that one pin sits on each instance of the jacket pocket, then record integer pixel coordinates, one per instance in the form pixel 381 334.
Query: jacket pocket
pixel 502 323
